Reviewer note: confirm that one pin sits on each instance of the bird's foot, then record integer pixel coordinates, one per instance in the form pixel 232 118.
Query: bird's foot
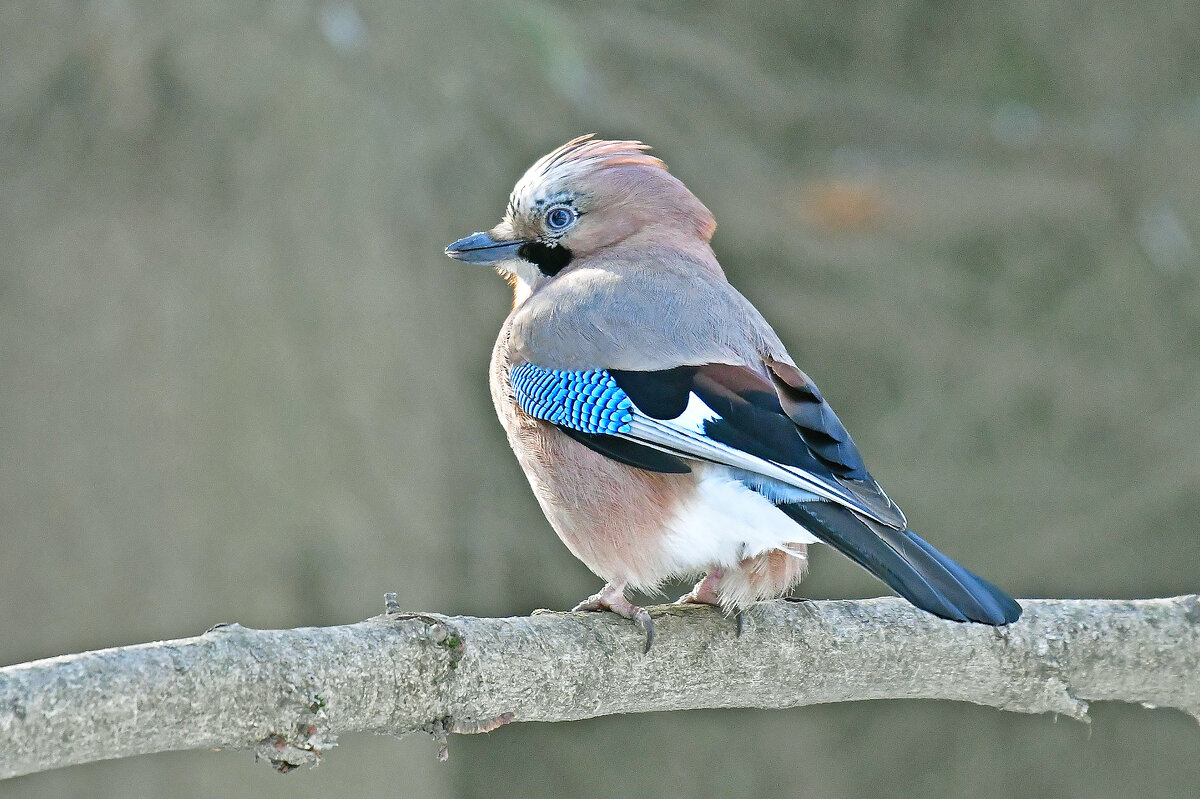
pixel 612 598
pixel 705 593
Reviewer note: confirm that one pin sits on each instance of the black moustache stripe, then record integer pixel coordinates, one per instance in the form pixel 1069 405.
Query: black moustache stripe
pixel 549 258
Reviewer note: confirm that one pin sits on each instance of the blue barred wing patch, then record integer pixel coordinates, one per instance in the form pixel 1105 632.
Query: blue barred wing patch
pixel 590 402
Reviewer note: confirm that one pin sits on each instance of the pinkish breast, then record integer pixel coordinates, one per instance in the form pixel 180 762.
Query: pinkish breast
pixel 611 516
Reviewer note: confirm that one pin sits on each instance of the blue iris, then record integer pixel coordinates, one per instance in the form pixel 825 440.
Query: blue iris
pixel 559 217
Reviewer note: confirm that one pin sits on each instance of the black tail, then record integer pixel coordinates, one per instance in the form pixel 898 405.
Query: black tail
pixel 914 569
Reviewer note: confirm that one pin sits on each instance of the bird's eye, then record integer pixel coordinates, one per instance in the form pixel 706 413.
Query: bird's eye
pixel 559 217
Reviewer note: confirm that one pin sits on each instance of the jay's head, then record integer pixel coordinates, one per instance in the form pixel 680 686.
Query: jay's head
pixel 584 198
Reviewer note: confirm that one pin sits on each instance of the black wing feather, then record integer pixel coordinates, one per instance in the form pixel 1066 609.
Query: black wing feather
pixel 780 416
pixel 911 567
pixel 660 395
pixel 820 427
pixel 753 421
pixel 806 434
pixel 629 452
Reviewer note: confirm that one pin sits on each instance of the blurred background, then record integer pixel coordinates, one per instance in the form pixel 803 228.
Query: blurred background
pixel 240 382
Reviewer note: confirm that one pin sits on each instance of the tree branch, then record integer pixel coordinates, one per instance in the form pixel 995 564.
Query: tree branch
pixel 290 693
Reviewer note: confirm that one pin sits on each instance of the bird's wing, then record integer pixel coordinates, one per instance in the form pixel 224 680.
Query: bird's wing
pixel 660 363
pixel 776 434
pixel 773 426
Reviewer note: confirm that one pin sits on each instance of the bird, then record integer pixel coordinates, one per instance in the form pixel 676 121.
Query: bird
pixel 662 425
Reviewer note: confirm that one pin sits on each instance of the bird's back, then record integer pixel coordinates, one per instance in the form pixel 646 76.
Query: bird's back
pixel 643 311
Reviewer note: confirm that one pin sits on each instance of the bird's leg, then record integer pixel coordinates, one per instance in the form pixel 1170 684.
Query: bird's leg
pixel 705 593
pixel 612 597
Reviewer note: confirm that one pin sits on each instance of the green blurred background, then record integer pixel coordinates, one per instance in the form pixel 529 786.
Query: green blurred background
pixel 240 382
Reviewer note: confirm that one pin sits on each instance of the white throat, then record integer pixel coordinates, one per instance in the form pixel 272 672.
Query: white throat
pixel 525 277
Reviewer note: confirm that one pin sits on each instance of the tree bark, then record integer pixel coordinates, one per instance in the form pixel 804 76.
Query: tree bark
pixel 290 693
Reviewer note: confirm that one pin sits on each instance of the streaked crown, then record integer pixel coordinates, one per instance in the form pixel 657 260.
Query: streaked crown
pixel 564 165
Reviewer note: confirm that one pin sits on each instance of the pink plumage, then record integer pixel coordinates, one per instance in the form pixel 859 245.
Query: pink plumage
pixel 734 462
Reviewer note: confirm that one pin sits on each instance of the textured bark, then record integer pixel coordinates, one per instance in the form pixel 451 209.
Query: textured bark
pixel 290 693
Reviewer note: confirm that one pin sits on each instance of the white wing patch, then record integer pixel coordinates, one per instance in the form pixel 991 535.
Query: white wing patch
pixel 695 415
pixel 592 402
pixel 684 435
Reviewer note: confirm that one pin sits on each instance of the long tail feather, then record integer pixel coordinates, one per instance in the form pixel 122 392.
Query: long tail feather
pixel 910 566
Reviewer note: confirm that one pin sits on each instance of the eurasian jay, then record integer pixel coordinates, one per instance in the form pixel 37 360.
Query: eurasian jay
pixel 661 423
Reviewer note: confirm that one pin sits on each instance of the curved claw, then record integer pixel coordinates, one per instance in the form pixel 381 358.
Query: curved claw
pixel 643 620
pixel 612 598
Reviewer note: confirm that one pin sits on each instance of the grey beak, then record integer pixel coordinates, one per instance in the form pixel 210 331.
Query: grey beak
pixel 481 248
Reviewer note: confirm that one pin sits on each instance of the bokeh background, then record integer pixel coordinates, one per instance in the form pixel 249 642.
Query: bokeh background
pixel 240 382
